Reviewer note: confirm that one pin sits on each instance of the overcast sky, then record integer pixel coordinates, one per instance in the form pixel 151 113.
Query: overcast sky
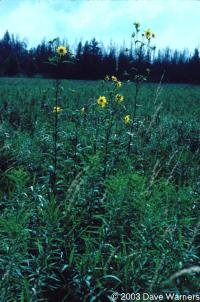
pixel 176 23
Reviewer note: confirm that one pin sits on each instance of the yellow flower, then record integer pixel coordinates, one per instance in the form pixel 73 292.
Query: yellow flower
pixel 61 50
pixel 107 78
pixel 118 84
pixel 57 109
pixel 114 78
pixel 148 34
pixel 119 98
pixel 127 119
pixel 102 101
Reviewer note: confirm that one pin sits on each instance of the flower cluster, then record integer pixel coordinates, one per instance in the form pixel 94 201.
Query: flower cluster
pixel 114 80
pixel 102 102
pixel 147 34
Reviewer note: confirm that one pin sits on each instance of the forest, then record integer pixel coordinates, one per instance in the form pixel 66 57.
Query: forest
pixel 93 61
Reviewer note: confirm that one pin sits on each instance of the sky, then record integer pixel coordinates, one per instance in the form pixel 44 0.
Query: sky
pixel 175 23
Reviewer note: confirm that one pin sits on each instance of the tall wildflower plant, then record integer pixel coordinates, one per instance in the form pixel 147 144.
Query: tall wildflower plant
pixel 111 105
pixel 59 53
pixel 143 51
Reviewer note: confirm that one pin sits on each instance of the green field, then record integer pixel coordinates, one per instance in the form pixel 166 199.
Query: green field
pixel 125 214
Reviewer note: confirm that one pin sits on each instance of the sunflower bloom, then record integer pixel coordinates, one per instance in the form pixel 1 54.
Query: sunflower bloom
pixel 57 109
pixel 119 98
pixel 118 84
pixel 127 119
pixel 148 34
pixel 61 50
pixel 114 78
pixel 102 101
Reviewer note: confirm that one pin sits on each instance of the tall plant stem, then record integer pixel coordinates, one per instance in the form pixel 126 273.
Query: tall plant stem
pixel 75 147
pixel 107 138
pixel 57 84
pixel 137 88
pixel 108 134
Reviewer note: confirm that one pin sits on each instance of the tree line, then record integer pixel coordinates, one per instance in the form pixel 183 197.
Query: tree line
pixel 92 61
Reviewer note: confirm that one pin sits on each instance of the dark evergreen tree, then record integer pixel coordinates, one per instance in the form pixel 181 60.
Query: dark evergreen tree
pixel 194 70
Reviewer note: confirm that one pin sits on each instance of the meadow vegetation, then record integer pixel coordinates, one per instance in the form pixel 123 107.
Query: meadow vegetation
pixel 125 214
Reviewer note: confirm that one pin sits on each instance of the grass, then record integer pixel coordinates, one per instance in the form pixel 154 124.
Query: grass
pixel 120 221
